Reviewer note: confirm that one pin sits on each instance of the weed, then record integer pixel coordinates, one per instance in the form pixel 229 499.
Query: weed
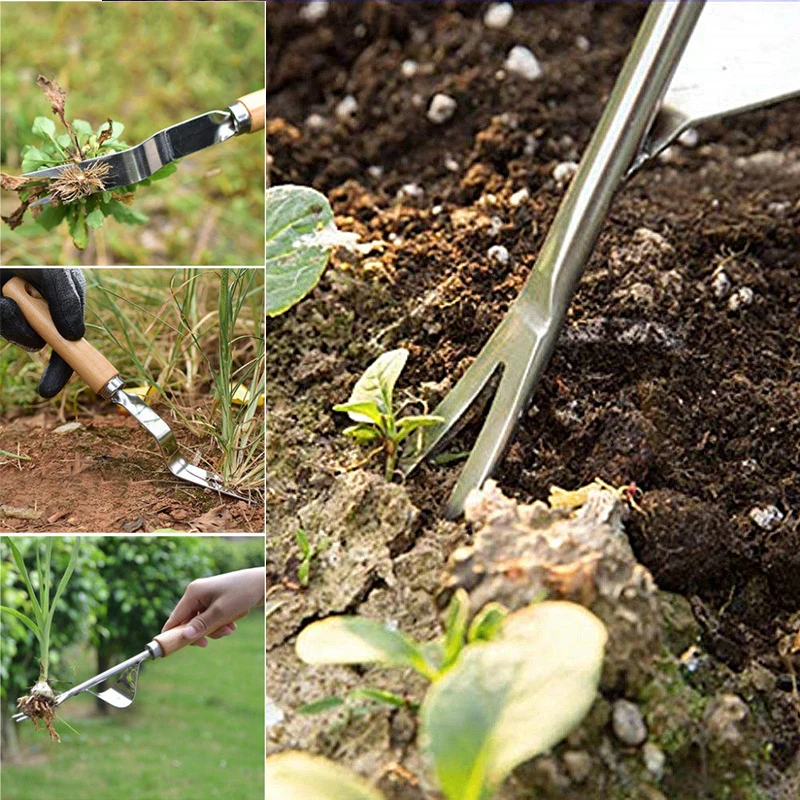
pixel 371 406
pixel 307 553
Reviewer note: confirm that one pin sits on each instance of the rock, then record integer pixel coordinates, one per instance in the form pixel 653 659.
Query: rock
pixel 498 253
pixel 522 62
pixel 68 427
pixel 721 284
pixel 314 10
pixel 498 15
pixel 654 760
pixel 564 172
pixel 767 518
pixel 742 297
pixel 409 67
pixel 724 720
pixel 689 138
pixel 627 723
pixel 442 108
pixel 519 197
pixel 346 109
pixel 578 764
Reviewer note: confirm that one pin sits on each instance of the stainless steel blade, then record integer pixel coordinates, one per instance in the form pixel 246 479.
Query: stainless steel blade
pixel 162 433
pixel 140 162
pixel 742 55
pixel 122 692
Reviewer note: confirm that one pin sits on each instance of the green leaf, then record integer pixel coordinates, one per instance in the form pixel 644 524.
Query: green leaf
pixel 363 433
pixel 302 541
pixel 122 213
pixel 165 171
pixel 455 627
pixel 95 219
pixel 23 618
pixel 376 385
pixel 508 700
pixel 51 216
pixel 355 640
pixel 64 140
pixel 44 128
pixel 300 776
pixel 365 411
pixel 73 560
pixel 77 227
pixel 487 623
pixel 82 127
pixel 320 706
pixel 380 696
pixel 34 159
pixel 407 425
pixel 296 255
pixel 116 130
pixel 20 562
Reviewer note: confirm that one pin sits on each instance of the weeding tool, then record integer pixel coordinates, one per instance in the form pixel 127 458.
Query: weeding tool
pixel 137 163
pixel 104 379
pixel 122 692
pixel 741 55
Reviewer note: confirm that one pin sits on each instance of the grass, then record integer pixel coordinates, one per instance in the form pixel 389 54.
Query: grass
pixel 195 335
pixel 196 729
pixel 149 66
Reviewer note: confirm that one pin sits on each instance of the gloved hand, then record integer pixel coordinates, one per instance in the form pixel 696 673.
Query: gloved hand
pixel 65 291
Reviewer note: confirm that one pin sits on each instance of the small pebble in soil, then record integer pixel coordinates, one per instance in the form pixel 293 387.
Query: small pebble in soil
pixel 450 164
pixel 628 724
pixel 346 109
pixel 408 69
pixel 743 296
pixel 498 253
pixel 689 138
pixel 375 172
pixel 522 62
pixel 531 145
pixel 315 122
pixel 654 760
pixel 578 764
pixel 766 517
pixel 721 284
pixel 563 172
pixel 410 191
pixel 498 15
pixel 519 197
pixel 582 43
pixel 779 209
pixel 314 10
pixel 442 108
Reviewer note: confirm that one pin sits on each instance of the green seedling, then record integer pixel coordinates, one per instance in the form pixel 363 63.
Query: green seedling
pixel 307 553
pixel 38 705
pixel 504 688
pixel 77 195
pixel 371 406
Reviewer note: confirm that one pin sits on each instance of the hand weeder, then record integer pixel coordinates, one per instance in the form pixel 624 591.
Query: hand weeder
pixel 137 163
pixel 122 692
pixel 104 379
pixel 728 66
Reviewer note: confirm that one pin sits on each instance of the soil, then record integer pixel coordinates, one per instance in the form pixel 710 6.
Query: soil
pixel 105 477
pixel 678 365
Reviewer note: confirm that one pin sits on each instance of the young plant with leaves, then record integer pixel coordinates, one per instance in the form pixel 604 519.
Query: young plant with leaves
pixel 504 688
pixel 371 406
pixel 38 705
pixel 78 195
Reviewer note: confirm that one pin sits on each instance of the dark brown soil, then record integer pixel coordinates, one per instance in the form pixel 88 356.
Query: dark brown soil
pixel 106 477
pixel 660 378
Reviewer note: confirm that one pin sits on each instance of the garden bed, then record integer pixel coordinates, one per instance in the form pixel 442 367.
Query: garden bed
pixel 677 368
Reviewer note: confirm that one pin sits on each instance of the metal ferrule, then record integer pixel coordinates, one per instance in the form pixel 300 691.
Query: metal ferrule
pixel 241 117
pixel 112 386
pixel 154 648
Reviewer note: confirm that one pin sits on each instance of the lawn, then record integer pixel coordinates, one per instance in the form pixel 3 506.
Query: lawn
pixel 148 66
pixel 196 729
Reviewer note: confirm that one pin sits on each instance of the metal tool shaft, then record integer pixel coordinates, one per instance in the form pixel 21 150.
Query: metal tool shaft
pixel 524 341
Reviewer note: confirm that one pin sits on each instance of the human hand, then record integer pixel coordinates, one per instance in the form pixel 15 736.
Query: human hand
pixel 65 292
pixel 209 605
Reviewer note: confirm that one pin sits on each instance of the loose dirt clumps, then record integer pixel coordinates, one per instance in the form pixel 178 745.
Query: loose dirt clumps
pixel 38 706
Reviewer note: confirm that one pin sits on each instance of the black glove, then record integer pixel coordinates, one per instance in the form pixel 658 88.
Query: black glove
pixel 65 291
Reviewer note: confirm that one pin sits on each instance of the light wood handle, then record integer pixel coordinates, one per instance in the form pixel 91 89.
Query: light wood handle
pixel 256 104
pixel 91 365
pixel 173 640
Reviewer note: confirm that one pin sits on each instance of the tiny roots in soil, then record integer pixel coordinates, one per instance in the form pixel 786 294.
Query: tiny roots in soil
pixel 38 705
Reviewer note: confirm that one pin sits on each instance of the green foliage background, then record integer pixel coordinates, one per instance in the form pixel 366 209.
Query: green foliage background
pixel 147 65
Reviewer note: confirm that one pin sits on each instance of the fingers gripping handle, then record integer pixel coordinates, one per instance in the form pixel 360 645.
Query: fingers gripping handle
pixel 93 367
pixel 256 105
pixel 173 640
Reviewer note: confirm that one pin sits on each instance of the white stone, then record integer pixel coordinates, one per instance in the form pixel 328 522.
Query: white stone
pixel 498 15
pixel 519 197
pixel 315 122
pixel 582 43
pixel 346 108
pixel 450 164
pixel 498 253
pixel 408 69
pixel 654 760
pixel 721 284
pixel 743 296
pixel 768 518
pixel 412 191
pixel 314 10
pixel 689 138
pixel 442 107
pixel 563 172
pixel 375 171
pixel 522 62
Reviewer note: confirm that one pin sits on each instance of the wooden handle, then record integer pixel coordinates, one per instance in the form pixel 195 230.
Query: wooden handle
pixel 93 367
pixel 256 104
pixel 173 640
